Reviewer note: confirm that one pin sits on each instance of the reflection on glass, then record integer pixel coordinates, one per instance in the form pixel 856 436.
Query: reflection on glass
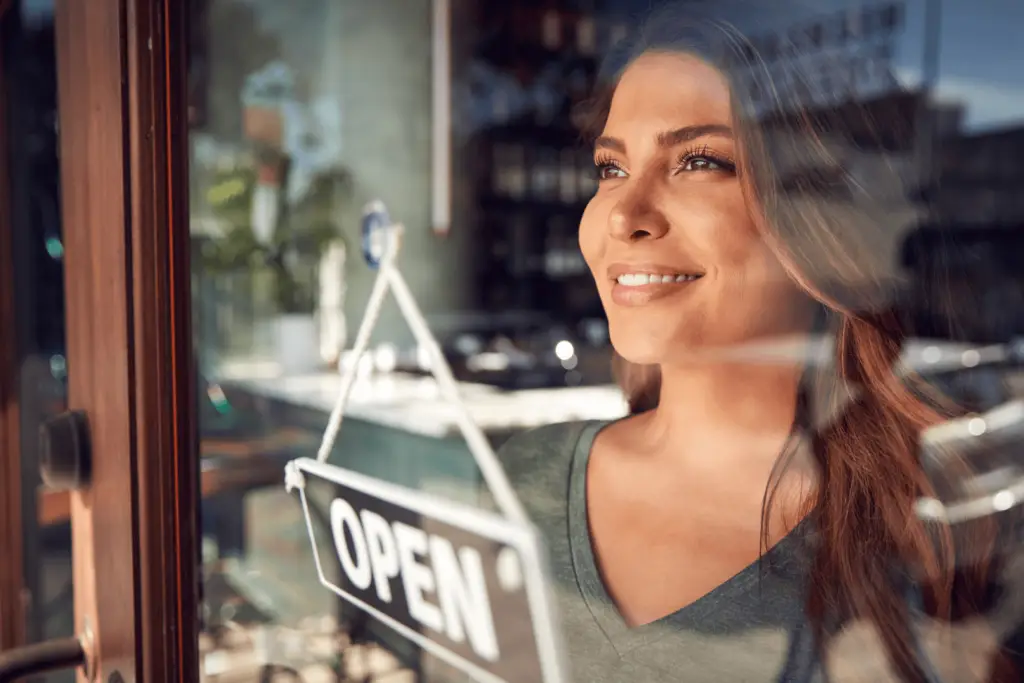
pixel 30 74
pixel 293 131
pixel 304 112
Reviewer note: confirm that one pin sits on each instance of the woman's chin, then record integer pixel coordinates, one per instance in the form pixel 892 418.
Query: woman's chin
pixel 648 351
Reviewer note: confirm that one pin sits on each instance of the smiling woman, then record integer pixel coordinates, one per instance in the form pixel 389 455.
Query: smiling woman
pixel 671 203
pixel 744 516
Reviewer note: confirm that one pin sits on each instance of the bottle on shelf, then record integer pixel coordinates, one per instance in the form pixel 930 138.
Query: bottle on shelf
pixel 519 260
pixel 551 29
pixel 552 251
pixel 499 170
pixel 501 108
pixel 586 35
pixel 517 171
pixel 568 183
pixel 544 174
pixel 546 101
pixel 562 256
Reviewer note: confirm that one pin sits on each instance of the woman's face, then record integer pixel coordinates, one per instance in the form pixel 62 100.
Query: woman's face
pixel 668 236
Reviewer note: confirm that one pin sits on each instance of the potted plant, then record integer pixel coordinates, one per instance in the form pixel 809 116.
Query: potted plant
pixel 262 230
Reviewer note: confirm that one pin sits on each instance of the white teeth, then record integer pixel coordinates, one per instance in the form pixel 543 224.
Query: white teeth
pixel 640 279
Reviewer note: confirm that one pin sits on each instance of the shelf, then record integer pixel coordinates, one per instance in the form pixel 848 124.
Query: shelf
pixel 489 203
pixel 504 53
pixel 542 150
pixel 557 134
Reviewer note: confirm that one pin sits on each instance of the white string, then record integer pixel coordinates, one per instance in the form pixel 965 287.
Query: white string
pixel 490 467
pixel 348 372
pixel 390 278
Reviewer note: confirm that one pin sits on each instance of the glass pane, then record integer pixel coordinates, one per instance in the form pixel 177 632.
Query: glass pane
pixel 31 114
pixel 790 228
pixel 291 136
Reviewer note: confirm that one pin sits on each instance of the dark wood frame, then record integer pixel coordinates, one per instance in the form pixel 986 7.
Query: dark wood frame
pixel 12 617
pixel 166 419
pixel 123 119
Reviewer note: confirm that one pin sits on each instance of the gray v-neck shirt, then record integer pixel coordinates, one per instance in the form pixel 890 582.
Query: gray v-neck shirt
pixel 742 631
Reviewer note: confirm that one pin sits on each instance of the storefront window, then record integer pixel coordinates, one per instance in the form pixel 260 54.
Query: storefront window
pixel 858 227
pixel 300 117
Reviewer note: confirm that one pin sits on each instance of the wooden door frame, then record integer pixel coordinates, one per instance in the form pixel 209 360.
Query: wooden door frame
pixel 122 85
pixel 12 613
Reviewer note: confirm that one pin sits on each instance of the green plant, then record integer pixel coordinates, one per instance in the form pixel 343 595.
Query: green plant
pixel 302 234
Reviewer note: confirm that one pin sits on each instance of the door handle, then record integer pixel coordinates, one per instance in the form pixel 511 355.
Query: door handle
pixel 65 452
pixel 29 660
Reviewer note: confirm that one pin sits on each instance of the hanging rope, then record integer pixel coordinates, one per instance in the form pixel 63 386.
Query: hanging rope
pixel 389 278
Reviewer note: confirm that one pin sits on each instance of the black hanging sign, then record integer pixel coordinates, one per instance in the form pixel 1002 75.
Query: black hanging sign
pixel 465 584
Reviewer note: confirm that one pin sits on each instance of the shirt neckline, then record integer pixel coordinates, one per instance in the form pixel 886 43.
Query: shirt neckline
pixel 620 634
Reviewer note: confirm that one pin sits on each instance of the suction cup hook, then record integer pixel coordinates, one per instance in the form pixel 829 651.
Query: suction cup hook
pixel 378 233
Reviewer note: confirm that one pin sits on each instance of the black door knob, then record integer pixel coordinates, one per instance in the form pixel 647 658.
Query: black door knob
pixel 64 451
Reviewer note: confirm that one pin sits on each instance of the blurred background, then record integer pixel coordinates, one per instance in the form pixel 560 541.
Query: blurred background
pixel 458 115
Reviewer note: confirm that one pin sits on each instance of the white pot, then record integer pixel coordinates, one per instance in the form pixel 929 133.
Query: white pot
pixel 331 303
pixel 297 343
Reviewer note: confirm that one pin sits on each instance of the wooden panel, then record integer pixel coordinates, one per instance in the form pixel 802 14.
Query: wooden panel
pixel 165 404
pixel 12 616
pixel 124 170
pixel 97 282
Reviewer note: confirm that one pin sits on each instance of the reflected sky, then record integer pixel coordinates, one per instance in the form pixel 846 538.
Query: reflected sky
pixel 979 47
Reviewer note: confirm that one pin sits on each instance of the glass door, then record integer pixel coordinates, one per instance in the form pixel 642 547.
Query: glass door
pixel 36 588
pixel 300 115
pixel 96 378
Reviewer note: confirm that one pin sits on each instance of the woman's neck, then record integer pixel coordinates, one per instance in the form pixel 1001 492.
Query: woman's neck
pixel 741 412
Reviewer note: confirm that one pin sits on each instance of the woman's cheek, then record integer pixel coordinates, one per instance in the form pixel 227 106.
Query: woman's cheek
pixel 720 234
pixel 592 233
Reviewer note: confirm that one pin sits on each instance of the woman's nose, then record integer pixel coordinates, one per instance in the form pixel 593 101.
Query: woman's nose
pixel 636 217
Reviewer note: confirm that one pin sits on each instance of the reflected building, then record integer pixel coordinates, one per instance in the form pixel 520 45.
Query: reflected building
pixel 979 179
pixel 968 257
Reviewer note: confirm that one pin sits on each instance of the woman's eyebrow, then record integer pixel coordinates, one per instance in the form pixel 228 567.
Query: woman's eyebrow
pixel 614 144
pixel 669 138
pixel 672 138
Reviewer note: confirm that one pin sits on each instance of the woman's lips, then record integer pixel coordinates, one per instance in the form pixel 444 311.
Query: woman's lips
pixel 633 292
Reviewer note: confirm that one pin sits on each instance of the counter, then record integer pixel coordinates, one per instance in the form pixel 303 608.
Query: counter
pixel 399 428
pixel 415 405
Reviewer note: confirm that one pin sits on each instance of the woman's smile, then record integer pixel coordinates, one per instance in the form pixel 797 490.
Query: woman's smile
pixel 640 288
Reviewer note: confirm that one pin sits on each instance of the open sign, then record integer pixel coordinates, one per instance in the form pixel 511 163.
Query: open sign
pixel 464 584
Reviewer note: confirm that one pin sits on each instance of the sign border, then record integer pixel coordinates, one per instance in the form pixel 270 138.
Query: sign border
pixel 525 540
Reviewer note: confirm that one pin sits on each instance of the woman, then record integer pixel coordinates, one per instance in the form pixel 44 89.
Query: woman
pixel 746 518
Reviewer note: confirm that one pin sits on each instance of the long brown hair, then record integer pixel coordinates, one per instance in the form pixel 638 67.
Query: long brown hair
pixel 833 233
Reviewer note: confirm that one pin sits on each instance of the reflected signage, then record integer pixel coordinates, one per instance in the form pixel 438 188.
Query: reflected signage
pixel 839 57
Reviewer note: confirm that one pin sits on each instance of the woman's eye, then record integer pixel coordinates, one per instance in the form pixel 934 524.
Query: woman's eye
pixel 609 172
pixel 701 164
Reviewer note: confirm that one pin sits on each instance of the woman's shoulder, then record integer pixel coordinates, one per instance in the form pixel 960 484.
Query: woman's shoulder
pixel 560 437
pixel 541 458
